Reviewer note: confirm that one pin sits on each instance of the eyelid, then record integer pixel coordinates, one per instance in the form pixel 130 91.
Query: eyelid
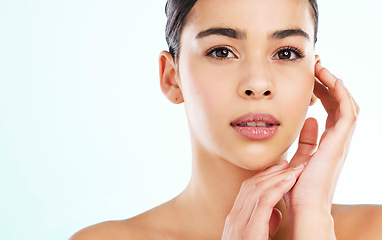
pixel 295 50
pixel 211 50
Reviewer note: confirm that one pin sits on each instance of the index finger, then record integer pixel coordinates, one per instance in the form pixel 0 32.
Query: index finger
pixel 323 93
pixel 325 77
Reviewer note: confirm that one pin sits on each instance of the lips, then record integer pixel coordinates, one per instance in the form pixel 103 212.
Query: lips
pixel 256 126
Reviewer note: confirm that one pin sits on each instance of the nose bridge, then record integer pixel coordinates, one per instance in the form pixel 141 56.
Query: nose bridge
pixel 256 79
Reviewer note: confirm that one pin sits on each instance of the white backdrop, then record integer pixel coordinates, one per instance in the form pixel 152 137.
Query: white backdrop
pixel 86 134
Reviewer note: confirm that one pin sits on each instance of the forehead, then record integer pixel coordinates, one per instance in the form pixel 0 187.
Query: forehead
pixel 255 17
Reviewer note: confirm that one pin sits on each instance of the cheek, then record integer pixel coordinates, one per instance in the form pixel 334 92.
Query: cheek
pixel 203 87
pixel 297 95
pixel 297 82
pixel 206 97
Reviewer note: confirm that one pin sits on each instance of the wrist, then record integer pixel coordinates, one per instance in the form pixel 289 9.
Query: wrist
pixel 312 224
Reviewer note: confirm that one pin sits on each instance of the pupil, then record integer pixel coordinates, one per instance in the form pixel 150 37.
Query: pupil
pixel 284 54
pixel 222 53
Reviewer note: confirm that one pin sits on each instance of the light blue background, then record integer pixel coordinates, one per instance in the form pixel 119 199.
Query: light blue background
pixel 86 134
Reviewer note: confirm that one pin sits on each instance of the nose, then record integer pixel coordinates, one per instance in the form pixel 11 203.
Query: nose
pixel 257 82
pixel 259 94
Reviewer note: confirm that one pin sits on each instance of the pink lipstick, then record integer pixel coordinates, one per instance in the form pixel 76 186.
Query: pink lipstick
pixel 256 126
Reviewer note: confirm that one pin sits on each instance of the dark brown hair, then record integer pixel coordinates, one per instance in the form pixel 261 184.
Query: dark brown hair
pixel 177 12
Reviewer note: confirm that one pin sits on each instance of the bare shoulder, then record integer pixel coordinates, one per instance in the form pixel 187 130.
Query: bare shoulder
pixel 357 221
pixel 105 231
pixel 153 224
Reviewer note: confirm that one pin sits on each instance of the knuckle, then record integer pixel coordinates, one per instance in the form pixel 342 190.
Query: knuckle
pixel 264 200
pixel 271 197
pixel 354 118
pixel 230 221
pixel 230 217
pixel 282 187
pixel 357 109
pixel 259 186
pixel 254 179
pixel 247 183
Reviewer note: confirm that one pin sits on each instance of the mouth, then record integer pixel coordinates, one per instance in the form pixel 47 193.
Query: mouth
pixel 256 126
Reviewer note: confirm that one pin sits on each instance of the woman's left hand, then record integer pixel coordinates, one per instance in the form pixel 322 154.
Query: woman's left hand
pixel 311 197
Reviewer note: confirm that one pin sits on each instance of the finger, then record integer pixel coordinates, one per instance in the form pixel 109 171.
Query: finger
pixel 347 108
pixel 325 77
pixel 308 137
pixel 260 188
pixel 320 90
pixel 258 224
pixel 336 95
pixel 349 96
pixel 247 186
pixel 307 142
pixel 272 169
pixel 324 87
pixel 325 96
pixel 274 222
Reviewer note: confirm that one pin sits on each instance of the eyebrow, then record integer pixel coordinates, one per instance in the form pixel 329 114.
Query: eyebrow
pixel 281 34
pixel 238 34
pixel 227 32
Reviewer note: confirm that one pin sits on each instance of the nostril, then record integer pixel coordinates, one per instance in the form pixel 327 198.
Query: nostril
pixel 248 92
pixel 266 93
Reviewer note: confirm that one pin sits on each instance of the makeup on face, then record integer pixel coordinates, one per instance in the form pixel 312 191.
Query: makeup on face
pixel 256 126
pixel 240 73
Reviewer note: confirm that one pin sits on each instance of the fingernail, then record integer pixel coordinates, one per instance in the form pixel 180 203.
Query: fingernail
pixel 318 66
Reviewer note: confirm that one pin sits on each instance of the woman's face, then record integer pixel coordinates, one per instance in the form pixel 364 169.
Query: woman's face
pixel 240 62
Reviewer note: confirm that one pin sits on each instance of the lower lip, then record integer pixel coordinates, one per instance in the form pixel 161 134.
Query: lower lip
pixel 256 133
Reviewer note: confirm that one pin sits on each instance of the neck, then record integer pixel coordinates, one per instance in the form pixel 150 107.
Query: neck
pixel 212 190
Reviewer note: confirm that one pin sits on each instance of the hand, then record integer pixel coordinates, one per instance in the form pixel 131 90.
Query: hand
pixel 253 215
pixel 313 193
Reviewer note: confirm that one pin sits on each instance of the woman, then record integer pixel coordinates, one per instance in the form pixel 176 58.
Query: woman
pixel 246 72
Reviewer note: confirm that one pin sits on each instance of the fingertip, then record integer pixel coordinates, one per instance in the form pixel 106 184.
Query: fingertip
pixel 327 78
pixel 318 63
pixel 280 165
pixel 311 120
pixel 275 222
pixel 318 67
pixel 272 169
pixel 340 83
pixel 310 125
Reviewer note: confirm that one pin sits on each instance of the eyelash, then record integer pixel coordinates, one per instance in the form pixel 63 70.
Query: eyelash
pixel 212 50
pixel 295 50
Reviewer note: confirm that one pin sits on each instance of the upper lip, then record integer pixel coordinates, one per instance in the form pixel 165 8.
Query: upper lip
pixel 256 117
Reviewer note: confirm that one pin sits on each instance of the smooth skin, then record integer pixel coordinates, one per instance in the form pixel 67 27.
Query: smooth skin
pixel 241 188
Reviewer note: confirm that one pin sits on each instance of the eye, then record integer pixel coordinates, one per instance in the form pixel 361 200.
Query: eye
pixel 288 54
pixel 220 53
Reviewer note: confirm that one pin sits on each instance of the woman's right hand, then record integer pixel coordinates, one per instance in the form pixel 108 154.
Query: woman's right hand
pixel 253 215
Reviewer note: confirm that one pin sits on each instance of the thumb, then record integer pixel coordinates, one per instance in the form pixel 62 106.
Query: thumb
pixel 307 142
pixel 274 222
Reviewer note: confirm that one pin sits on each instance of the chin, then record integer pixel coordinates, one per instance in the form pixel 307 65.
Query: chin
pixel 259 158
